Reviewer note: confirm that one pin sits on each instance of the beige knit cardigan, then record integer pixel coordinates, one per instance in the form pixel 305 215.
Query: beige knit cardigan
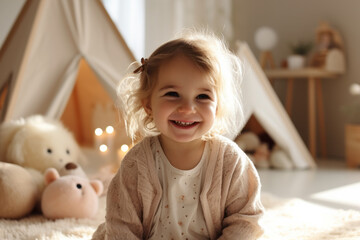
pixel 230 196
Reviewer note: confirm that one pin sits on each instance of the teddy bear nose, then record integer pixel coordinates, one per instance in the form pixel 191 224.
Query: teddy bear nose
pixel 70 166
pixel 78 186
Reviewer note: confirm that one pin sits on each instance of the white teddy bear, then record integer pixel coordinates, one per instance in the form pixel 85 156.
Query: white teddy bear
pixel 27 148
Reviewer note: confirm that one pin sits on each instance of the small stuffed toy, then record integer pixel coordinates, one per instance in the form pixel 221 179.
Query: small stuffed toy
pixel 263 151
pixel 280 160
pixel 28 147
pixel 261 156
pixel 70 196
pixel 248 141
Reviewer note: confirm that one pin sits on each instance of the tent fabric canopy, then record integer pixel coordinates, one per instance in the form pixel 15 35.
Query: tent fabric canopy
pixel 260 99
pixel 44 49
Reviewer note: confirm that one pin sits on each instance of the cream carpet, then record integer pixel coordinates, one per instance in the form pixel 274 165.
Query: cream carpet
pixel 296 219
pixel 288 219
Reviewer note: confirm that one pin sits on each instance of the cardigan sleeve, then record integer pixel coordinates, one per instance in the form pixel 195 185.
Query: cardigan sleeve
pixel 243 208
pixel 123 206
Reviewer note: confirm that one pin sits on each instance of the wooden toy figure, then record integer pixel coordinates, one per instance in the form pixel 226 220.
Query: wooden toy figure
pixel 328 40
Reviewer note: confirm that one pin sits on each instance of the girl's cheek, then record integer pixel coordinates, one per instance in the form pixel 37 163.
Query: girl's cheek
pixel 168 105
pixel 213 107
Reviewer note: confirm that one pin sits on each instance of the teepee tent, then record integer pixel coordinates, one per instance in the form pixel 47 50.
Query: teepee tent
pixel 60 59
pixel 260 100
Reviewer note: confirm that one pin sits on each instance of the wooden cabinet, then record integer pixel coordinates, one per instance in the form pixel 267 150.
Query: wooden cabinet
pixel 352 145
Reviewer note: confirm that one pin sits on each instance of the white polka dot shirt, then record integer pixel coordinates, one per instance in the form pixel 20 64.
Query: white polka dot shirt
pixel 179 215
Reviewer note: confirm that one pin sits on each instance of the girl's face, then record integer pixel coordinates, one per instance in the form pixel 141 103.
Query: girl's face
pixel 183 103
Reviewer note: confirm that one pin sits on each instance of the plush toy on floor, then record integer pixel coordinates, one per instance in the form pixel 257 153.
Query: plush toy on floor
pixel 261 154
pixel 71 195
pixel 258 152
pixel 27 148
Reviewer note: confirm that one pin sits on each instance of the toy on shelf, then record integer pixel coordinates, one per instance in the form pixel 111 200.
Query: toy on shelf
pixel 329 53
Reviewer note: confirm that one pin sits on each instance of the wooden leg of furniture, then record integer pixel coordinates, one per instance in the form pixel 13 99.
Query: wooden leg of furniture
pixel 289 95
pixel 321 118
pixel 312 116
pixel 352 145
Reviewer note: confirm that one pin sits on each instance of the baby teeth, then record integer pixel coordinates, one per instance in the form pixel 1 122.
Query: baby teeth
pixel 183 123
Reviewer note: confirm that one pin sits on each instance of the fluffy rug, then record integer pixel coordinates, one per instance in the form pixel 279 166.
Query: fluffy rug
pixel 294 219
pixel 284 219
pixel 37 227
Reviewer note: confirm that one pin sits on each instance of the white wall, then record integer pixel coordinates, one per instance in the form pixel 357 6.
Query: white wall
pixel 297 20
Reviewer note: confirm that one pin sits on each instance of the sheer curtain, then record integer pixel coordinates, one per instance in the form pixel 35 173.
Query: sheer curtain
pixel 129 17
pixel 211 14
pixel 165 18
pixel 145 24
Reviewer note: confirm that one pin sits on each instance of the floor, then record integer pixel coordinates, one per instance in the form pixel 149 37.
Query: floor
pixel 332 184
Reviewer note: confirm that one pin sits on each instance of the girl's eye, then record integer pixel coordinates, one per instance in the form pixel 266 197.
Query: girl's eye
pixel 49 150
pixel 172 94
pixel 203 96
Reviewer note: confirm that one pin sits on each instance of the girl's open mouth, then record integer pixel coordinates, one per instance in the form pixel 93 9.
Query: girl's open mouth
pixel 184 124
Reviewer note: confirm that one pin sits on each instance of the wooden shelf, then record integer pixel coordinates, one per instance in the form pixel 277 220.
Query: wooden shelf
pixel 300 73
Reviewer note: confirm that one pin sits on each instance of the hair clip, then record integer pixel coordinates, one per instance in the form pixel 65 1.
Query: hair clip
pixel 144 62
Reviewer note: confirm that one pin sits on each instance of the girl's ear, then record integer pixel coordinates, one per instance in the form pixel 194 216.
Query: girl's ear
pixel 147 106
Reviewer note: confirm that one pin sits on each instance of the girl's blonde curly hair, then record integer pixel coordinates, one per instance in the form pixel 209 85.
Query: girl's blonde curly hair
pixel 212 56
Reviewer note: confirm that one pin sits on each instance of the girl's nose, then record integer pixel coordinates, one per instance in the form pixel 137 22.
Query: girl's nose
pixel 186 107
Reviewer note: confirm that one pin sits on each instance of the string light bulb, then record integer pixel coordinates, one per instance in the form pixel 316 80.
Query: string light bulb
pixel 103 148
pixel 109 129
pixel 98 131
pixel 124 148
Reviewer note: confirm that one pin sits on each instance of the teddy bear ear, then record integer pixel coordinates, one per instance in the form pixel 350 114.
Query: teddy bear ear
pixel 97 186
pixel 51 174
